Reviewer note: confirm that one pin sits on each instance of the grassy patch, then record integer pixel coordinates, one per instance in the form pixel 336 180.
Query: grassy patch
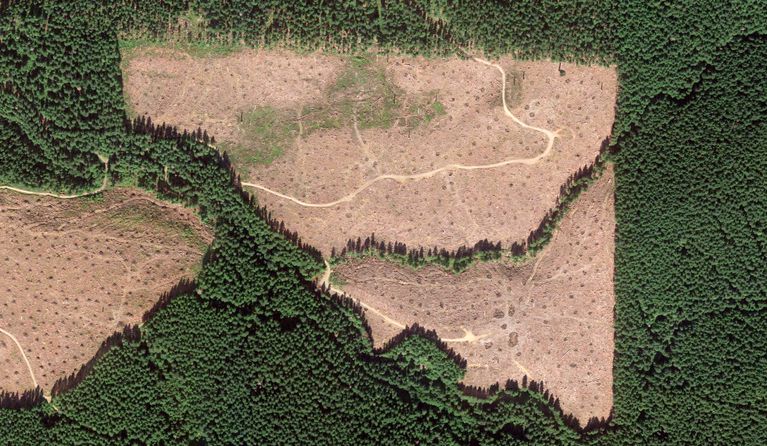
pixel 422 110
pixel 266 134
pixel 265 127
pixel 128 220
pixel 79 206
pixel 438 107
pixel 144 220
pixel 93 199
pixel 514 80
pixel 364 93
pixel 130 47
pixel 320 117
pixel 190 236
pixel 336 281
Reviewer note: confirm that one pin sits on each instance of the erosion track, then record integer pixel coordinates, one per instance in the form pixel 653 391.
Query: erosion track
pixel 468 336
pixel 24 356
pixel 325 280
pixel 67 197
pixel 450 167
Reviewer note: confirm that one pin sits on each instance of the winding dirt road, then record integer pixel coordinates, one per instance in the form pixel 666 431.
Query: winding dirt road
pixel 23 355
pixel 450 167
pixel 103 186
pixel 325 280
pixel 67 197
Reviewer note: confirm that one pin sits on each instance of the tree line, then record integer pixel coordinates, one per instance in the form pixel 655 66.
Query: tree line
pixel 461 258
pixel 579 30
pixel 689 249
pixel 185 140
pixel 456 260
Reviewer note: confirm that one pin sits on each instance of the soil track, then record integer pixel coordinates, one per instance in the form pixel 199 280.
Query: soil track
pixel 23 355
pixel 550 319
pixel 74 270
pixel 435 182
pixel 339 180
pixel 325 281
pixel 450 167
pixel 101 188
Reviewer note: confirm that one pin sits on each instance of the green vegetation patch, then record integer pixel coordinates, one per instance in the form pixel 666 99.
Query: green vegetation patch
pixel 266 134
pixel 514 79
pixel 195 49
pixel 337 281
pixel 423 111
pixel 364 94
pixel 138 219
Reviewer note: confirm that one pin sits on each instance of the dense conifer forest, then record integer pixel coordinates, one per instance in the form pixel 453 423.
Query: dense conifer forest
pixel 252 353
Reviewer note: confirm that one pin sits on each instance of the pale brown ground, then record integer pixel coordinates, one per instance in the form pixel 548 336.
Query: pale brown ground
pixel 173 87
pixel 550 319
pixel 448 210
pixel 14 376
pixel 72 272
pixel 571 294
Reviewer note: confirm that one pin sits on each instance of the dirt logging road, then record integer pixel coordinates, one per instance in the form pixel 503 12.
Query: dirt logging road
pixel 101 188
pixel 24 356
pixel 325 281
pixel 450 167
pixel 65 197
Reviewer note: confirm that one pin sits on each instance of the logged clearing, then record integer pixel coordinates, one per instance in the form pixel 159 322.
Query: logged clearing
pixel 550 319
pixel 14 376
pixel 429 152
pixel 309 130
pixel 72 272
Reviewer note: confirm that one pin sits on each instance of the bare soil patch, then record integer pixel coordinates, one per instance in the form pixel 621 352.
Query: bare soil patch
pixel 316 127
pixel 550 319
pixel 74 271
pixel 14 376
pixel 217 93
